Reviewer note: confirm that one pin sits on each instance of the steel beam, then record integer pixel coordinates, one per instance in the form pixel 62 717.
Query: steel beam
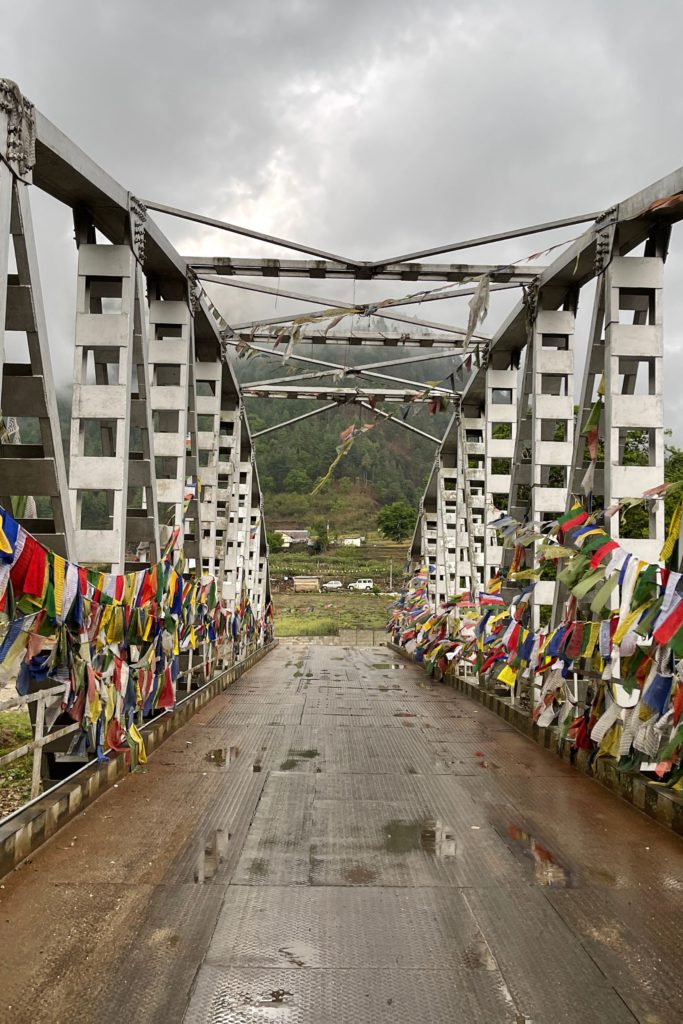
pixel 422 358
pixel 377 339
pixel 296 419
pixel 430 295
pixel 331 367
pixel 142 522
pixel 360 370
pixel 344 394
pixel 101 402
pixel 28 388
pixel 346 371
pixel 386 314
pixel 501 236
pixel 236 229
pixel 227 266
pixel 576 265
pixel 401 423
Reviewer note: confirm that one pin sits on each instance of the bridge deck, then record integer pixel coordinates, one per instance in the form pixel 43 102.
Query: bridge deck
pixel 401 855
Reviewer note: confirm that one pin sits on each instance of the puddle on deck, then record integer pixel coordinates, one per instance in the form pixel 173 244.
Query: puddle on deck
pixel 222 756
pixel 429 835
pixel 522 839
pixel 295 756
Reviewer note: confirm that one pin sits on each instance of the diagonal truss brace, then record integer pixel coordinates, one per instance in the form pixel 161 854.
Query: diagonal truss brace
pixel 347 371
pixel 236 229
pixel 296 419
pixel 335 405
pixel 429 295
pixel 403 318
pixel 401 423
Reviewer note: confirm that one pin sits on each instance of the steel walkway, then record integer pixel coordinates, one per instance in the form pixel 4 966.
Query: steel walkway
pixel 335 840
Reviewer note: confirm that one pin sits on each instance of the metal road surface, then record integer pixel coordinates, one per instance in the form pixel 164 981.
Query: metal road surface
pixel 334 839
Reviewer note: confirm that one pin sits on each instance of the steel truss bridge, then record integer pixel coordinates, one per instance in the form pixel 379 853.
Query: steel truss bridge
pixel 357 849
pixel 158 419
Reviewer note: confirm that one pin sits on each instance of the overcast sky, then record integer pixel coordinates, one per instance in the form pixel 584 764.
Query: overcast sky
pixel 366 127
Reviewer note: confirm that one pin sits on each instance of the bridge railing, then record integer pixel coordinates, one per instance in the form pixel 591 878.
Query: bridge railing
pixel 41 699
pixel 42 702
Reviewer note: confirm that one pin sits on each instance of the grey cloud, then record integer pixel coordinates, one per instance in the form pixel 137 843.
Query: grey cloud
pixel 365 127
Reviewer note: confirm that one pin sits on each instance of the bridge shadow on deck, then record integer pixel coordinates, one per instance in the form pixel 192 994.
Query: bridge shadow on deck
pixel 335 839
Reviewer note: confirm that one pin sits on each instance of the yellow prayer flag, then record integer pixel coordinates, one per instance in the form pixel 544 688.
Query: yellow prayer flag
pixel 5 545
pixel 94 707
pixel 629 621
pixel 59 569
pixel 508 676
pixel 137 739
pixel 594 634
pixel 674 530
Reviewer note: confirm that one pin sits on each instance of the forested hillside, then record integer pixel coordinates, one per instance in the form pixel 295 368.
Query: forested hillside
pixel 386 464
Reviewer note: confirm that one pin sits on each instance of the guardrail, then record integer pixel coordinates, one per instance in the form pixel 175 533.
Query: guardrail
pixel 40 738
pixel 42 698
pixel 29 826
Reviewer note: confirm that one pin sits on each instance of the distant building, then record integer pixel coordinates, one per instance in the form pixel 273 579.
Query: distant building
pixel 306 584
pixel 353 542
pixel 290 537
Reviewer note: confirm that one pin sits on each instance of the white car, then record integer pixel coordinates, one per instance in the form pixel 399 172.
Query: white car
pixel 361 585
pixel 333 585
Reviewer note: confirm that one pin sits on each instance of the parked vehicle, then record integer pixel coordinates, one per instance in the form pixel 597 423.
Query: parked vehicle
pixel 362 585
pixel 333 585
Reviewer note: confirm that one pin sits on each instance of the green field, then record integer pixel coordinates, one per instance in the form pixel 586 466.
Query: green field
pixel 326 614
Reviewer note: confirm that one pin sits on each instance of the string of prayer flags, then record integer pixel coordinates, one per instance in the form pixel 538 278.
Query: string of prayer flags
pixel 628 652
pixel 674 531
pixel 114 641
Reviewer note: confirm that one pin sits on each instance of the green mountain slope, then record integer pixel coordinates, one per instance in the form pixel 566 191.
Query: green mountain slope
pixel 384 465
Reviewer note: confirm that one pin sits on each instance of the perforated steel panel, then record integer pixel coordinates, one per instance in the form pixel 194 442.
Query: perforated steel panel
pixel 242 996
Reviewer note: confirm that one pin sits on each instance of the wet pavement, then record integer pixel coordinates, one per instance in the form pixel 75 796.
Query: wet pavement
pixel 334 839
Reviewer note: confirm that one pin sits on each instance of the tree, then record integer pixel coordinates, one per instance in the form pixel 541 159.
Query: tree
pixel 319 536
pixel 673 472
pixel 297 480
pixel 276 541
pixel 396 521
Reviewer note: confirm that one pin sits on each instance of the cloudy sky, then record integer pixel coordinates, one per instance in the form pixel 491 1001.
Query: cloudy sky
pixel 366 127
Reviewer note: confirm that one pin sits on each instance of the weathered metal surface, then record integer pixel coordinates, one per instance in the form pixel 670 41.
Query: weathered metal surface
pixel 346 863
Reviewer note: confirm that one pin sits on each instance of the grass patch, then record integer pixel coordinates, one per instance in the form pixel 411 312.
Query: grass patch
pixel 302 625
pixel 15 778
pixel 308 754
pixel 326 614
pixel 288 764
